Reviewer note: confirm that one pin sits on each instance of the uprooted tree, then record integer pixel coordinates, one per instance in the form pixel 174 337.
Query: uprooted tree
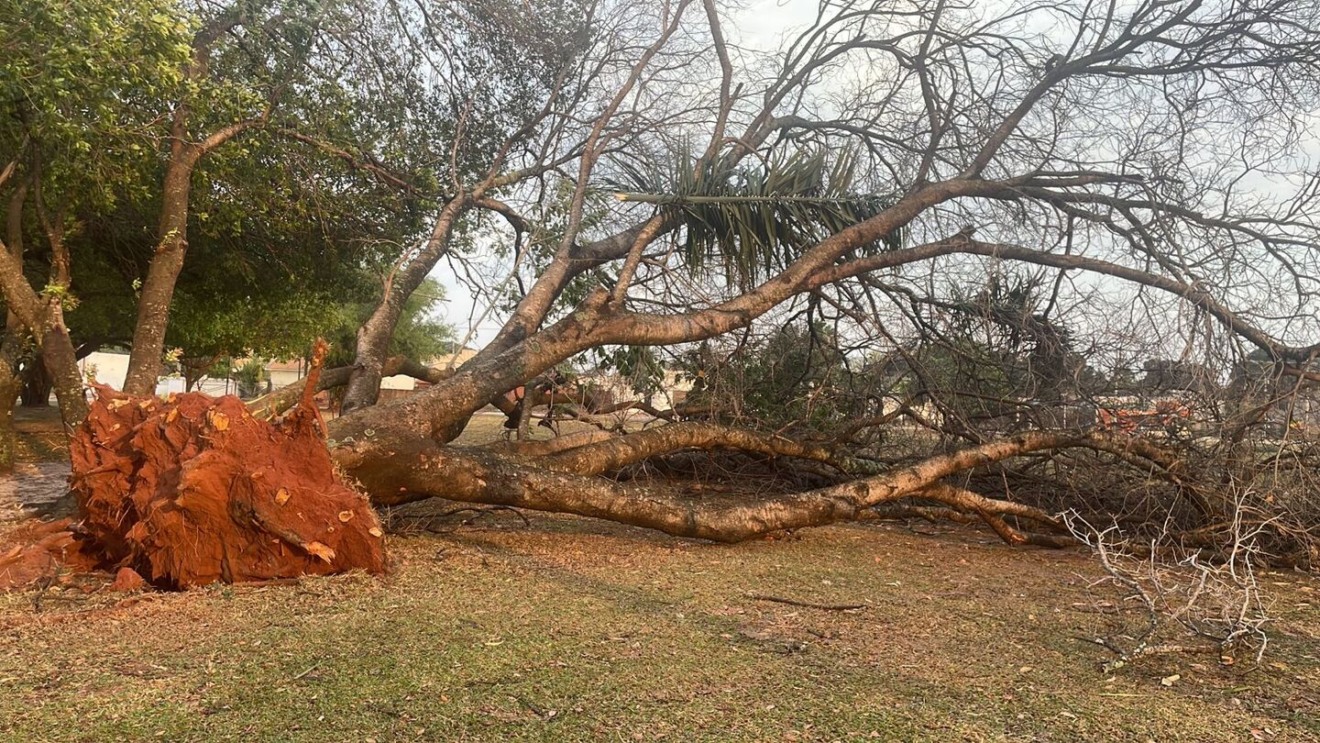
pixel 992 219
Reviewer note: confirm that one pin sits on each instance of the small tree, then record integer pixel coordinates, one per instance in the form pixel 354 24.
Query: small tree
pixel 251 378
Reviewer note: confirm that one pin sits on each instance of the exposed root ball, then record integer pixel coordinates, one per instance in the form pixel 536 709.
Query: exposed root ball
pixel 193 490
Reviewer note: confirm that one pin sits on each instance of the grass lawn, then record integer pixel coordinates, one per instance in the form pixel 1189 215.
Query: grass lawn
pixel 569 629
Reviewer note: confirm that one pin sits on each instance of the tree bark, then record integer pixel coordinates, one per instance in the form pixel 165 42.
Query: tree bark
pixel 61 361
pixel 371 350
pixel 10 385
pixel 444 409
pixel 55 369
pixel 153 316
pixel 157 292
pixel 373 338
pixel 8 395
pixel 41 314
pixel 399 470
pixel 614 453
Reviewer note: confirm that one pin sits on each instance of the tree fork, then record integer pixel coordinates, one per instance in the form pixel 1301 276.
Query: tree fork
pixel 373 338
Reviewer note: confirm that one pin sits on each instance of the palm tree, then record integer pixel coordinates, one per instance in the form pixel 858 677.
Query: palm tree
pixel 750 221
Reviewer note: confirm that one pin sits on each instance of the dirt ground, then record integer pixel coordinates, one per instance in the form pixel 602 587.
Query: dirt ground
pixel 490 627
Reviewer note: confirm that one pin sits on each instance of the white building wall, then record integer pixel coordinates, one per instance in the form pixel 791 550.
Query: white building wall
pixel 107 368
pixel 398 382
pixel 111 369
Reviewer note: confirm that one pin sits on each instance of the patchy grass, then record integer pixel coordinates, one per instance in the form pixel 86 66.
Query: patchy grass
pixel 560 628
pixel 40 446
pixel 575 630
pixel 487 427
pixel 39 435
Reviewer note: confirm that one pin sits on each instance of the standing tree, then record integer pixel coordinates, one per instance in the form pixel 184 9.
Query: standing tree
pixel 73 117
pixel 226 138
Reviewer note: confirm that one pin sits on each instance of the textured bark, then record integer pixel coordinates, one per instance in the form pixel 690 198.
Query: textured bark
pixel 61 361
pixel 186 150
pixel 9 387
pixel 614 453
pixel 42 315
pixel 371 350
pixel 402 470
pixel 442 410
pixel 373 338
pixel 56 371
pixel 153 316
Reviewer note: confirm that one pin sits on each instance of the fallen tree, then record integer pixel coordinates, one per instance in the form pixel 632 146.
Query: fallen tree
pixel 564 482
pixel 797 234
pixel 976 219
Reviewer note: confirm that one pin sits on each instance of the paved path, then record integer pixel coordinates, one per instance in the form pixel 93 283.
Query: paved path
pixel 31 486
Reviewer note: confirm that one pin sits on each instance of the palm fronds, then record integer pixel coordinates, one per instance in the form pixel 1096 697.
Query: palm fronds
pixel 752 221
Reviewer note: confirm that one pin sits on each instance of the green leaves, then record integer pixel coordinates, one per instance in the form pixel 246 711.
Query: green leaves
pixel 77 71
pixel 792 379
pixel 419 334
pixel 754 220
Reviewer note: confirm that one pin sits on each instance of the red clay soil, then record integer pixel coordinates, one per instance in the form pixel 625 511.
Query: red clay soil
pixel 128 580
pixel 36 552
pixel 192 489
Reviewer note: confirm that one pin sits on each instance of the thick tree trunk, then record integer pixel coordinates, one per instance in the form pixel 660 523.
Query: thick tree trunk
pixel 371 352
pixel 61 361
pixel 153 317
pixel 186 150
pixel 594 458
pixel 397 470
pixel 10 384
pixel 43 316
pixel 444 409
pixel 55 369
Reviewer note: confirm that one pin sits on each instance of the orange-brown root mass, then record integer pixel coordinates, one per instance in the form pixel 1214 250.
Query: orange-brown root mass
pixel 36 551
pixel 193 490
